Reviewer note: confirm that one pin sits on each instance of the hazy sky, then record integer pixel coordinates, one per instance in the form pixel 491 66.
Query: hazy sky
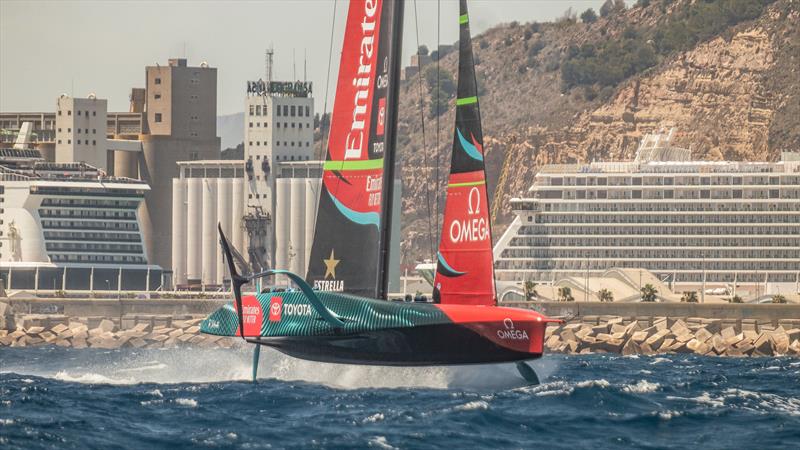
pixel 77 47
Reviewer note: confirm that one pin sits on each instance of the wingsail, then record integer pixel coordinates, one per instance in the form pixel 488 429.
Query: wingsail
pixel 348 253
pixel 465 266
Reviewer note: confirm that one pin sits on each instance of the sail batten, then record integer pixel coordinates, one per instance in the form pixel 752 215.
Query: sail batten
pixel 353 220
pixel 464 269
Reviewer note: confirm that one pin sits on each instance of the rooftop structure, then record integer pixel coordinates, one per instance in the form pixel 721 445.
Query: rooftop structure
pixel 687 222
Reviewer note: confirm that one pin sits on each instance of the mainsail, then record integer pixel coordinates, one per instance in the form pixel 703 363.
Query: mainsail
pixel 464 269
pixel 352 230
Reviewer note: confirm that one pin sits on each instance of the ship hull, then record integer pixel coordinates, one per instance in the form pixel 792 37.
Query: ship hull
pixel 431 345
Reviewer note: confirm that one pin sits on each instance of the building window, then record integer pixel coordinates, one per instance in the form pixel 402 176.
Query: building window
pixel 69 141
pixel 94 113
pixel 78 130
pixel 292 124
pixel 308 111
pixel 94 142
pixel 158 80
pixel 194 156
pixel 251 143
pixel 258 110
pixel 69 113
pixel 278 124
pixel 86 131
pixel 158 117
pixel 258 124
pixel 293 110
pixel 286 110
pixel 265 124
pixel 158 96
pixel 87 113
pixel 79 112
pixel 279 110
pixel 251 124
pixel 59 141
pixel 252 108
pixel 59 112
pixel 59 130
pixel 69 130
pixel 94 130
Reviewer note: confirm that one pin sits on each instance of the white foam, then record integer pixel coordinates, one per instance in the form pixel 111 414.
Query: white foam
pixel 90 378
pixel 380 442
pixel 669 414
pixel 156 393
pixel 642 387
pixel 601 383
pixel 377 417
pixel 190 402
pixel 659 360
pixel 6 421
pixel 472 406
pixel 703 399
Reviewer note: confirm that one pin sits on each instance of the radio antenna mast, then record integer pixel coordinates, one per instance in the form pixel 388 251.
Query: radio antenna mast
pixel 268 63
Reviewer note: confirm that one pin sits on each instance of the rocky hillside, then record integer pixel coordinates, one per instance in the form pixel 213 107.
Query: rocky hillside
pixel 726 78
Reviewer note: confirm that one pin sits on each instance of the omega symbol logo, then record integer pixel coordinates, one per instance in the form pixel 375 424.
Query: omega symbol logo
pixel 474 204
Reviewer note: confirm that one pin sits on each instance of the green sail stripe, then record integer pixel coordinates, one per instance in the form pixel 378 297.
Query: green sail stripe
pixel 367 164
pixel 469 183
pixel 466 101
pixel 463 19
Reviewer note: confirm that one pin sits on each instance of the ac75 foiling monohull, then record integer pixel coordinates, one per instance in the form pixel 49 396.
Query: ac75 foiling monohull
pixel 340 313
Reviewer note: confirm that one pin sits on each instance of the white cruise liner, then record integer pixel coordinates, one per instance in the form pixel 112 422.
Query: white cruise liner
pixel 688 222
pixel 68 226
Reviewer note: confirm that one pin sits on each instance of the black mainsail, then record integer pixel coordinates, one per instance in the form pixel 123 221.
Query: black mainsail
pixel 351 239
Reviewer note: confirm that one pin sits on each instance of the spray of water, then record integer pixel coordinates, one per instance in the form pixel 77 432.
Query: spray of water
pixel 196 365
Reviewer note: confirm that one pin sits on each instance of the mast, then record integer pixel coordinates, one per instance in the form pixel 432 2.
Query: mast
pixel 393 98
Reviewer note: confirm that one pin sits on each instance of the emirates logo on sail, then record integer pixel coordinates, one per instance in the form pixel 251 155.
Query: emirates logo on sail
pixel 355 139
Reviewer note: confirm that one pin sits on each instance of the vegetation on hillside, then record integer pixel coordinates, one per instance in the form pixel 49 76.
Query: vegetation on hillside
pixel 617 58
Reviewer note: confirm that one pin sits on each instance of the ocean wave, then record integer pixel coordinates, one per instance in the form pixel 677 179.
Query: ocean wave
pixel 6 421
pixel 472 406
pixel 91 378
pixel 642 387
pixel 377 417
pixel 379 442
pixel 190 402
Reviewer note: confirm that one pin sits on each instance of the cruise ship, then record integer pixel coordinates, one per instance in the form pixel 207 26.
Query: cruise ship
pixel 69 227
pixel 687 222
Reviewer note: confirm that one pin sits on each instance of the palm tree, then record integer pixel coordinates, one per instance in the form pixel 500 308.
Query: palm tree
pixel 778 298
pixel 565 294
pixel 689 297
pixel 604 295
pixel 649 293
pixel 530 290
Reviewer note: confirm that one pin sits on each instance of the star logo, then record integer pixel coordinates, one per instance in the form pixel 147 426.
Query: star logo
pixel 330 266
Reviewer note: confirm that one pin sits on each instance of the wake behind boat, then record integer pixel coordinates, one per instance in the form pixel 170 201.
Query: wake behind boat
pixel 340 313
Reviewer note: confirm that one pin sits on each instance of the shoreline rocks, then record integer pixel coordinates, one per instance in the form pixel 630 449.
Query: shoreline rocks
pixel 143 331
pixel 650 336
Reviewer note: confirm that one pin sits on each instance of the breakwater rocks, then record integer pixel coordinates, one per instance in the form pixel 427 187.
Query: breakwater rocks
pixel 137 331
pixel 649 336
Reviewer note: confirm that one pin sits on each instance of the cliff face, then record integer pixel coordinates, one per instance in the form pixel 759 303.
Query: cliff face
pixel 735 96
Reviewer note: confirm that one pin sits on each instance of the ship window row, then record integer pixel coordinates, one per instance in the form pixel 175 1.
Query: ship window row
pixel 723 180
pixel 756 219
pixel 93 247
pixel 90 236
pixel 677 232
pixel 682 241
pixel 684 254
pixel 98 214
pixel 90 203
pixel 108 259
pixel 655 266
pixel 655 207
pixel 638 194
pixel 51 190
pixel 678 277
pixel 89 225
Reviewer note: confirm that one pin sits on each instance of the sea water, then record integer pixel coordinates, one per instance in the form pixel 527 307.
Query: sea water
pixel 201 398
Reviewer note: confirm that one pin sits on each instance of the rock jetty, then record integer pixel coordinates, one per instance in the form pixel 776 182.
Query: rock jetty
pixel 649 336
pixel 137 332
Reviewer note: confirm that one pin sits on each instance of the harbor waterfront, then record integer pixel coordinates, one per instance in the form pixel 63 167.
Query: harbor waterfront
pixel 590 327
